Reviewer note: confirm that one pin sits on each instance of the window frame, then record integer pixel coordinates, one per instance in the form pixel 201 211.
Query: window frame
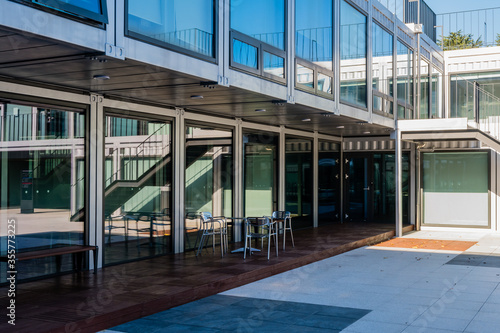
pixel 175 48
pixel 70 11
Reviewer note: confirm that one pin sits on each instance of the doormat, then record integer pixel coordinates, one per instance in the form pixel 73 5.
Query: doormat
pixel 427 244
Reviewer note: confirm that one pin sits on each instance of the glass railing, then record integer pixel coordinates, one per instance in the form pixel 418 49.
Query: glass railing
pixel 471 100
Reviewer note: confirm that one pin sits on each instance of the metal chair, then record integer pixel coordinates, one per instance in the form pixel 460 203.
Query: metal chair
pixel 211 227
pixel 281 216
pixel 260 228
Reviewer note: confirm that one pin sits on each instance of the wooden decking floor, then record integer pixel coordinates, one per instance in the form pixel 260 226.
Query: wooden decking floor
pixel 86 302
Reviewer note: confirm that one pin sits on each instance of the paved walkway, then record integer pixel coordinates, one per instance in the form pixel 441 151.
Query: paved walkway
pixel 370 289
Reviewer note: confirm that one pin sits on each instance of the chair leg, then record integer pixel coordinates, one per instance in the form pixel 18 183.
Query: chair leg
pixel 291 232
pixel 245 250
pixel 200 246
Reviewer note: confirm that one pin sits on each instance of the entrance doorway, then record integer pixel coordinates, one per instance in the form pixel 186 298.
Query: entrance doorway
pixel 369 187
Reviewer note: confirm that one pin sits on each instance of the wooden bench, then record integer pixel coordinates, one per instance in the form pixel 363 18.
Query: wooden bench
pixel 58 252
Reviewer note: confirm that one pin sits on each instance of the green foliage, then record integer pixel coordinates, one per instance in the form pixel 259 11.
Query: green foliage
pixel 497 41
pixel 459 40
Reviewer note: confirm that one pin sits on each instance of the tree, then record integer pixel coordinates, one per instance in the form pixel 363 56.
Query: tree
pixel 497 41
pixel 459 40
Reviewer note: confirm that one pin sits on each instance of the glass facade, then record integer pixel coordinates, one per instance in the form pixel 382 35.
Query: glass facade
pixel 462 94
pixel 258 37
pixel 299 181
pixel 382 44
pixel 456 188
pixel 93 9
pixel 263 20
pixel 42 178
pixel 353 53
pixel 424 90
pixel 209 178
pixel 138 189
pixel 314 32
pixel 328 182
pixel 188 25
pixel 436 94
pixel 260 173
pixel 405 81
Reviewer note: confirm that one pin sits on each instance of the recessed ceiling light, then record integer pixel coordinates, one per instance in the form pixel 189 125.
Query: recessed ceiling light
pixel 101 77
pixel 260 110
pixel 341 126
pixel 361 123
pixel 306 119
pixel 366 132
pixel 196 97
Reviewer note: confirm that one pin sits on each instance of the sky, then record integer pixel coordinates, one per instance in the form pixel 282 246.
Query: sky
pixel 448 6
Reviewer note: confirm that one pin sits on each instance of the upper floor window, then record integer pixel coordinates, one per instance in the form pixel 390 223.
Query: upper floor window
pixel 260 19
pixel 258 37
pixel 187 25
pixel 353 53
pixel 314 46
pixel 383 46
pixel 92 9
pixel 404 81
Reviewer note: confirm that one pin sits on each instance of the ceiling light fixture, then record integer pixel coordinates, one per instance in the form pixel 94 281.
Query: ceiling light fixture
pixel 306 119
pixel 260 110
pixel 341 126
pixel 366 132
pixel 196 97
pixel 101 77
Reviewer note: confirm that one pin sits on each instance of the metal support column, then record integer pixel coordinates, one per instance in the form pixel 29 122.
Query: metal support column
pixel 238 171
pixel 282 169
pixel 399 184
pixel 179 180
pixel 95 161
pixel 315 179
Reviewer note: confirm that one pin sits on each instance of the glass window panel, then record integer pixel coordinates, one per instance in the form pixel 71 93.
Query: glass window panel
pixel 455 187
pixel 436 94
pixel 382 44
pixel 314 37
pixel 377 103
pixel 353 53
pixel 401 112
pixel 325 83
pixel 405 73
pixel 43 186
pixel 185 24
pixel 305 76
pixel 298 181
pixel 274 65
pixel 208 183
pixel 52 124
pixel 244 54
pixel 424 90
pixel 260 173
pixel 328 182
pixel 90 5
pixel 261 19
pixel 138 189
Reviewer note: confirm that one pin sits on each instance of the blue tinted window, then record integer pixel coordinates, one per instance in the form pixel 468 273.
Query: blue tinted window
pixel 274 65
pixel 93 9
pixel 186 24
pixel 313 22
pixel 352 55
pixel 261 19
pixel 244 54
